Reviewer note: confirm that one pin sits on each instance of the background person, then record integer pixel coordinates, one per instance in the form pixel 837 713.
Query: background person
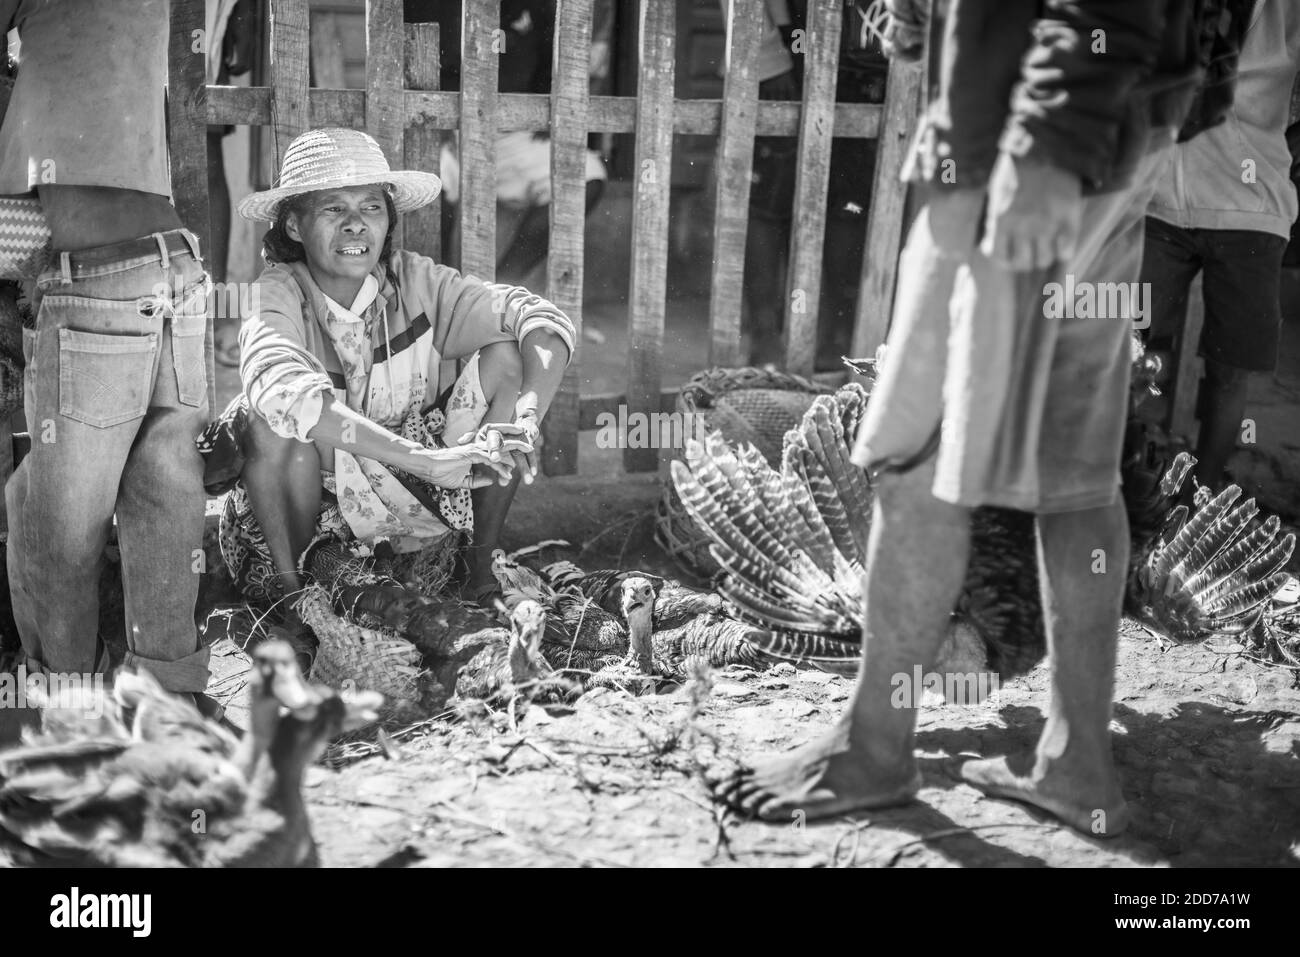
pixel 1225 210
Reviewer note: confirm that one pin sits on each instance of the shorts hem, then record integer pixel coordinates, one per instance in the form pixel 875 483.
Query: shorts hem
pixel 1076 501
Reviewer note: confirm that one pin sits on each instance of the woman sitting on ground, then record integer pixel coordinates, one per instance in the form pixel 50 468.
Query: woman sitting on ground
pixel 387 399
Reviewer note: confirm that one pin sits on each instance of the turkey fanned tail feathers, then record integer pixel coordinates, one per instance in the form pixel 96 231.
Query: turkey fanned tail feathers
pixel 790 543
pixel 1214 572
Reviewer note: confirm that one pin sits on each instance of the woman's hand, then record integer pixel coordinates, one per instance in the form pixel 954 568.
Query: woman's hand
pixel 472 465
pixel 521 439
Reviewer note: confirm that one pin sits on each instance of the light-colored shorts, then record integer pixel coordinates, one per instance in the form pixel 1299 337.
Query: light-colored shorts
pixel 1019 382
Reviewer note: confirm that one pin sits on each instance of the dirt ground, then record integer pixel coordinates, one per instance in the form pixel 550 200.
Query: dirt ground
pixel 1207 741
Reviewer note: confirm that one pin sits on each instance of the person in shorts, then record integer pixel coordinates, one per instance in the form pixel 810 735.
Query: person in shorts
pixel 1037 158
pixel 1233 229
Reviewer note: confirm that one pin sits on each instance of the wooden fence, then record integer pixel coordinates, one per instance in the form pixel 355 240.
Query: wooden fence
pixel 402 109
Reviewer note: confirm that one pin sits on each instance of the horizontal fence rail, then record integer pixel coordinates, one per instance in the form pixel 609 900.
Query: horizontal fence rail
pixel 411 119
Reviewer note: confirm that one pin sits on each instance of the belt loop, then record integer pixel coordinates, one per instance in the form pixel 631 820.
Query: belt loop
pixel 193 242
pixel 161 240
pixel 65 266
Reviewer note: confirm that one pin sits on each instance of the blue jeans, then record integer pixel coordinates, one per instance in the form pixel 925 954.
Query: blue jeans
pixel 115 393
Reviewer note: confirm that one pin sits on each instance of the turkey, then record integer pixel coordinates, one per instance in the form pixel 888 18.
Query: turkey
pixel 793 543
pixel 90 792
pixel 792 546
pixel 688 627
pixel 510 665
pixel 581 636
pixel 1213 570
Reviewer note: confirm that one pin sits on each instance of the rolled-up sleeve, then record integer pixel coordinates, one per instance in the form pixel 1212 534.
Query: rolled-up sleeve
pixel 285 384
pixel 468 314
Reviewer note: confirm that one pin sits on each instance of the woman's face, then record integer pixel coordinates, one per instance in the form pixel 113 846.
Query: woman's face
pixel 342 232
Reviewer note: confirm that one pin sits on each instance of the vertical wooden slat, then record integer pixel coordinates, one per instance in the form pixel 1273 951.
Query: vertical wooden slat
pixel 289 73
pixel 422 143
pixel 888 201
pixel 816 125
pixel 569 99
pixel 385 71
pixel 187 139
pixel 734 167
pixel 481 41
pixel 652 177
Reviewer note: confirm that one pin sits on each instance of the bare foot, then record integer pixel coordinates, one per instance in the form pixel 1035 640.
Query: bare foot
pixel 825 778
pixel 1082 801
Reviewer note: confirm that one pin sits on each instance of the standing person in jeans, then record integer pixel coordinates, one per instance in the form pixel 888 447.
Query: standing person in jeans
pixel 1226 210
pixel 115 387
pixel 1039 156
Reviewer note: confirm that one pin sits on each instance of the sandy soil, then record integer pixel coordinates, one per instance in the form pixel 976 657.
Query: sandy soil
pixel 1206 740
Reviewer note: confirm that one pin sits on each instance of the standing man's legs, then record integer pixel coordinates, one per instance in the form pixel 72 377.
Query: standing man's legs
pixel 105 357
pixel 160 507
pixel 916 552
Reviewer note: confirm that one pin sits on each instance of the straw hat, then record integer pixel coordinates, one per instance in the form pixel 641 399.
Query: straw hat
pixel 333 158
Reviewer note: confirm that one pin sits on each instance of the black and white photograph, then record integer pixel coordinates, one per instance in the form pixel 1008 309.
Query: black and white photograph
pixel 693 434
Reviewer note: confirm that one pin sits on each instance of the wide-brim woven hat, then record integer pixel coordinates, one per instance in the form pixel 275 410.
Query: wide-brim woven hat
pixel 334 158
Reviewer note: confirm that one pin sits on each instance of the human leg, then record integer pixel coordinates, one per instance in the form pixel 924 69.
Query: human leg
pixel 283 482
pixel 1071 774
pixel 1243 319
pixel 916 561
pixel 500 373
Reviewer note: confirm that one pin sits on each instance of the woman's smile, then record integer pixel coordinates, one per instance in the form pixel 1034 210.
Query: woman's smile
pixel 342 232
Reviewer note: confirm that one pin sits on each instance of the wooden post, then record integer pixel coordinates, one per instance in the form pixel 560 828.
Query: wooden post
pixel 816 125
pixel 564 277
pixel 481 42
pixel 385 71
pixel 423 143
pixel 735 166
pixel 289 73
pixel 652 177
pixel 888 200
pixel 187 142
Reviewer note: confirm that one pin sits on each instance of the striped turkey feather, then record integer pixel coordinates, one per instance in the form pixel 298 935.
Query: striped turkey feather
pixel 1191 533
pixel 1216 528
pixel 1218 541
pixel 1240 562
pixel 820 544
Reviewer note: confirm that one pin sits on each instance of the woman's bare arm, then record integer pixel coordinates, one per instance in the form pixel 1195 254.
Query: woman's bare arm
pixel 348 430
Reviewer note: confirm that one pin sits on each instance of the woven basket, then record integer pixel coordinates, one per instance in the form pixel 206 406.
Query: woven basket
pixel 352 656
pixel 745 405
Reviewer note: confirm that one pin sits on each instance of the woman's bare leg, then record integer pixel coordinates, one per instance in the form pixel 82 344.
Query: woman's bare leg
pixel 284 488
pixel 500 371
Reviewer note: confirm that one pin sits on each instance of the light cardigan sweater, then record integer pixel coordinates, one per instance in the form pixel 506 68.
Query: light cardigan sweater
pixel 425 318
pixel 1238 175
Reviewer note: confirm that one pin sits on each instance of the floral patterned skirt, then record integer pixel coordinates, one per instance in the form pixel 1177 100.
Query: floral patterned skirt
pixel 243 541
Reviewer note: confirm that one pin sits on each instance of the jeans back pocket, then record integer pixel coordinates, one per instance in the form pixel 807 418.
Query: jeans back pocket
pixel 105 380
